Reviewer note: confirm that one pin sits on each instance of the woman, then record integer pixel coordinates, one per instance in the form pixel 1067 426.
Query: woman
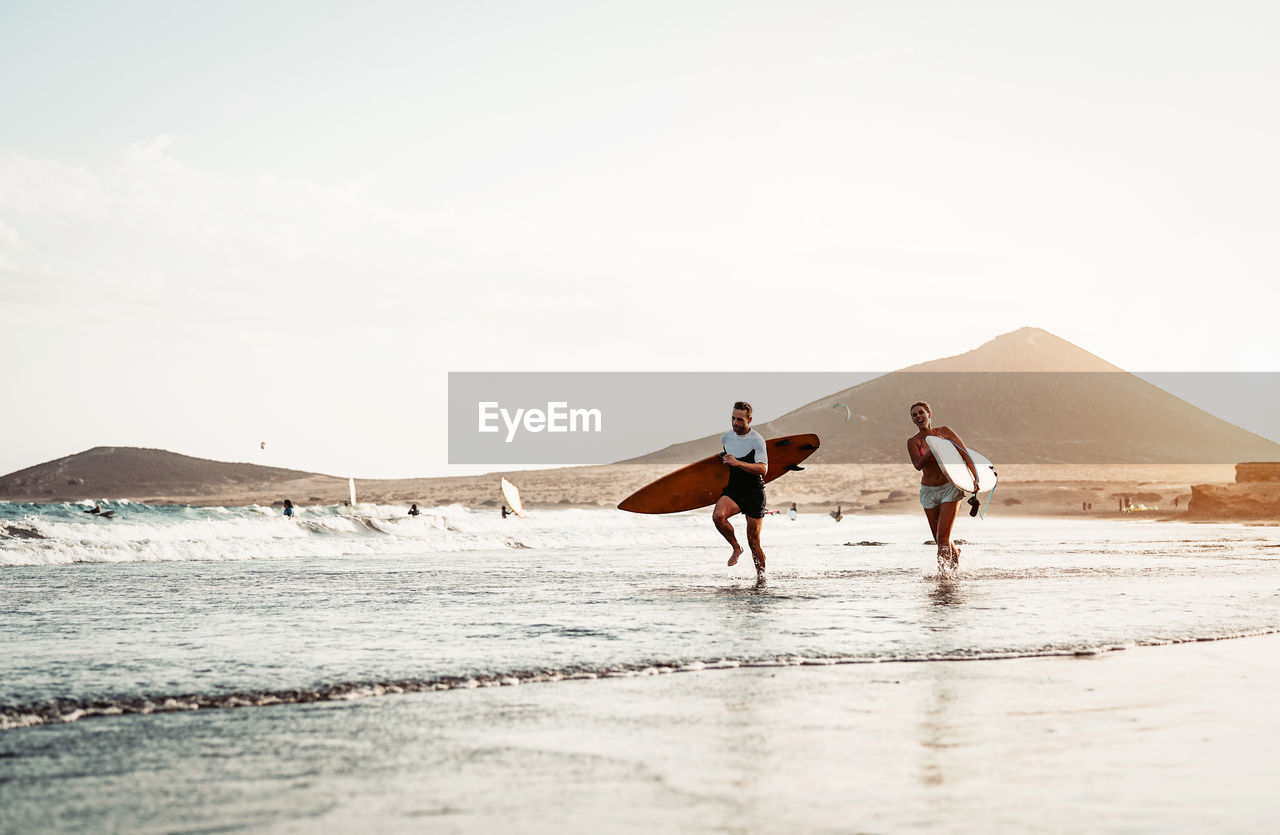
pixel 938 496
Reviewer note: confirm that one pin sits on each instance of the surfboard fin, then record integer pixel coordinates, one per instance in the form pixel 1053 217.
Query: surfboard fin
pixel 974 504
pixel 785 442
pixel 794 468
pixel 808 447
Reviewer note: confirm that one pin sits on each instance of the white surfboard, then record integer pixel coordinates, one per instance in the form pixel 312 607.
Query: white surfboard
pixel 947 454
pixel 512 495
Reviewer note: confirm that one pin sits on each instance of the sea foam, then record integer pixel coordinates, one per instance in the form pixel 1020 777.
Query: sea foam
pixel 51 534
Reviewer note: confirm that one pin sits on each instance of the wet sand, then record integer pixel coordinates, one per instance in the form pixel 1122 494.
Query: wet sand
pixel 1176 738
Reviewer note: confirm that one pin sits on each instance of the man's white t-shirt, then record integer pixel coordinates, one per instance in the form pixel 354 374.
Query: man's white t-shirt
pixel 739 445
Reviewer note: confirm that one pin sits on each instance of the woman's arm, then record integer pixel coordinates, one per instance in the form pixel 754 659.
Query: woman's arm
pixel 918 449
pixel 946 432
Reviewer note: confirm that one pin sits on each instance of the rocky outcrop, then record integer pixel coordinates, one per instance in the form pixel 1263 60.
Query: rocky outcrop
pixel 1258 471
pixel 1255 495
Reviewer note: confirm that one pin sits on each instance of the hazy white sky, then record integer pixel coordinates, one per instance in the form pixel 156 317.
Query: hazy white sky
pixel 223 223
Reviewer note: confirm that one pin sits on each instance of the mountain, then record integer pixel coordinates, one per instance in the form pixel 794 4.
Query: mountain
pixel 102 471
pixel 1023 350
pixel 1023 397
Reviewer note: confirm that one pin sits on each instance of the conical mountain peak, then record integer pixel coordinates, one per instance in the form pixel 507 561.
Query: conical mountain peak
pixel 1018 398
pixel 1026 349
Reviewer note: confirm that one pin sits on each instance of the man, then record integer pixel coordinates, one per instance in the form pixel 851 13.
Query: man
pixel 748 461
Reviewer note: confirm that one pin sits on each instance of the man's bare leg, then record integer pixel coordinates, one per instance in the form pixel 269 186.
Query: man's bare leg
pixel 726 507
pixel 753 541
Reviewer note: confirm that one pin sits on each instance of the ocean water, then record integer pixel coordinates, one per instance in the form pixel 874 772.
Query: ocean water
pixel 169 609
pixel 184 669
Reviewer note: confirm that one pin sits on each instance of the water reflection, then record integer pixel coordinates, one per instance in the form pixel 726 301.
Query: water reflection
pixel 937 733
pixel 947 592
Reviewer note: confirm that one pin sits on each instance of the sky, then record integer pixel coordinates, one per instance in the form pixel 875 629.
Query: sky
pixel 222 224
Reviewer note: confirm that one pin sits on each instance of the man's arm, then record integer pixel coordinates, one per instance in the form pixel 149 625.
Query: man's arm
pixel 754 469
pixel 760 468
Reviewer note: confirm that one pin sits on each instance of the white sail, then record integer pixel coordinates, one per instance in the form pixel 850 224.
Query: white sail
pixel 512 495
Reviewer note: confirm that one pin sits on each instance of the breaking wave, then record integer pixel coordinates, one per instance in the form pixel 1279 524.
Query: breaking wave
pixel 54 534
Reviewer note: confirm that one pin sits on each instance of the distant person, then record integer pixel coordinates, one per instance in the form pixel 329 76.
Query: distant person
pixel 1084 506
pixel 792 513
pixel 837 514
pixel 747 457
pixel 1120 499
pixel 288 508
pixel 413 509
pixel 505 512
pixel 938 496
pixel 1175 502
pixel 97 508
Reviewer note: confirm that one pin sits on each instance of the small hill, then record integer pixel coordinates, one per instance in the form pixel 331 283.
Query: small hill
pixel 1024 397
pixel 119 472
pixel 156 476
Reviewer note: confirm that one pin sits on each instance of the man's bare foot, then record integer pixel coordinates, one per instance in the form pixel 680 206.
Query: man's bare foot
pixel 737 552
pixel 759 578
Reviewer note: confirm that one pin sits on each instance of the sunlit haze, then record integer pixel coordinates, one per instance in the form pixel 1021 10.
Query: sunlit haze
pixel 235 223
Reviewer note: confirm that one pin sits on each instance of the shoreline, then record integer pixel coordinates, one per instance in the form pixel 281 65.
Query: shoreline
pixel 67 711
pixel 1053 490
pixel 896 508
pixel 1155 737
pixel 1178 738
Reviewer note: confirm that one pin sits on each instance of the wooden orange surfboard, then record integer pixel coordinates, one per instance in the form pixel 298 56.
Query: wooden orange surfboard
pixel 699 484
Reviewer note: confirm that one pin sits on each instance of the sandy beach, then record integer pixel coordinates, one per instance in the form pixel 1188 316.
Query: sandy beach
pixel 1024 490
